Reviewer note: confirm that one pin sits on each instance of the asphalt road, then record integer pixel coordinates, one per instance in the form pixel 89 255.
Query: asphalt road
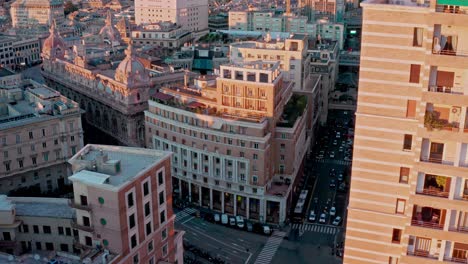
pixel 229 244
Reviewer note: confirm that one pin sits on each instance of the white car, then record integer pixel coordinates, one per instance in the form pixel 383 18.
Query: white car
pixel 224 219
pixel 323 218
pixel 312 216
pixel 337 221
pixel 240 221
pixel 338 135
pixel 333 211
pixel 332 154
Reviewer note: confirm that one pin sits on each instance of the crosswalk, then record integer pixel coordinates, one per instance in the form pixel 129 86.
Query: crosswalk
pixel 339 162
pixel 270 248
pixel 184 213
pixel 316 228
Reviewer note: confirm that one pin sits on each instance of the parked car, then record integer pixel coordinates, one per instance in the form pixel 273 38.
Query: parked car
pixel 261 229
pixel 338 134
pixel 240 221
pixel 333 211
pixel 340 177
pixel 342 187
pixel 335 142
pixel 312 216
pixel 337 221
pixel 224 219
pixel 249 226
pixel 217 218
pixel 332 154
pixel 232 221
pixel 323 218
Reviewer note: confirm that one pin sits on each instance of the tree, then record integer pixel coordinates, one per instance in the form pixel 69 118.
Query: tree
pixel 69 7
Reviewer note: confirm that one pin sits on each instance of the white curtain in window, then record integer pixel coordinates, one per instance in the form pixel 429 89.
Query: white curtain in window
pixel 419 36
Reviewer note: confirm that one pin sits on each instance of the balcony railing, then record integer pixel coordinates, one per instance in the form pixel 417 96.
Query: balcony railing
pixel 446 89
pixel 72 204
pixel 451 9
pixel 459 53
pixel 463 229
pixel 433 192
pixel 457 260
pixel 427 224
pixel 421 253
pixel 75 225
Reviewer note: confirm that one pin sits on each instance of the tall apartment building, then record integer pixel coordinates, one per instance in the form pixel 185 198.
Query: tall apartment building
pixel 409 187
pixel 332 10
pixel 32 224
pixel 39 130
pixel 239 140
pixel 123 202
pixel 27 13
pixel 192 15
pixel 16 50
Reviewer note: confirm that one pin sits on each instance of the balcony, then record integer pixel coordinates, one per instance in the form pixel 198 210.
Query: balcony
pixel 421 253
pixel 451 7
pixel 75 225
pixel 435 185
pixel 459 253
pixel 456 260
pixel 428 217
pixel 442 118
pixel 446 89
pixel 72 204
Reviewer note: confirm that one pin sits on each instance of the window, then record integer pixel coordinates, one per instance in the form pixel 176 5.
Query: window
pixel 150 246
pixel 164 250
pixel 36 229
pixel 164 234
pixel 49 246
pixel 281 157
pixel 147 209
pixel 133 241
pixel 407 142
pixel 162 217
pixel 130 200
pixel 400 206
pixel 255 156
pixel 145 188
pixel 25 228
pixel 392 260
pixel 160 178
pixel 64 247
pixel 256 145
pixel 418 37
pixel 161 197
pixel 415 70
pixel 131 221
pixel 38 246
pixel 396 237
pixel 404 174
pixel 60 230
pixel 68 231
pixel 283 146
pixel 44 144
pixel 254 179
pixel 148 228
pixel 411 108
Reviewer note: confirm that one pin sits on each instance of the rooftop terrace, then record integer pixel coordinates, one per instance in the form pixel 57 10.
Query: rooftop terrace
pixel 43 207
pixel 293 110
pixel 112 166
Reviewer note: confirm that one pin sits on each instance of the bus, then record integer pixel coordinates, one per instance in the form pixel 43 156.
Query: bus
pixel 300 206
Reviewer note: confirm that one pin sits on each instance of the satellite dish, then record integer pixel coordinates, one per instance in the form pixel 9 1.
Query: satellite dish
pixel 37 257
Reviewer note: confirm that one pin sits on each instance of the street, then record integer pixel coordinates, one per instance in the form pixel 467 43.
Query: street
pixel 300 242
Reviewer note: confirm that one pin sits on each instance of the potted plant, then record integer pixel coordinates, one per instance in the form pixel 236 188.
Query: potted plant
pixel 431 121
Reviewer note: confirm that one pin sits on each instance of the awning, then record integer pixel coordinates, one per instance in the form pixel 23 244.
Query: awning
pixel 195 105
pixel 217 124
pixel 162 96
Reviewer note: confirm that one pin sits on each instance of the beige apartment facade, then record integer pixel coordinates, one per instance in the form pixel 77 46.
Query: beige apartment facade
pixel 239 139
pixel 27 13
pixel 39 130
pixel 409 185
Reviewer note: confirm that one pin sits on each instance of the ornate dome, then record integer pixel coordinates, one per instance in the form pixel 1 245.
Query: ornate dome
pixel 131 70
pixel 109 31
pixel 54 46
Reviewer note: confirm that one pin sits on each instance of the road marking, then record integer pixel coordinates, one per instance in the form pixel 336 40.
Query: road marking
pixel 333 161
pixel 184 213
pixel 270 248
pixel 325 229
pixel 188 220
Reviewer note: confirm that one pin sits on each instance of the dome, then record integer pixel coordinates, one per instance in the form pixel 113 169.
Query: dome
pixel 54 46
pixel 109 31
pixel 131 70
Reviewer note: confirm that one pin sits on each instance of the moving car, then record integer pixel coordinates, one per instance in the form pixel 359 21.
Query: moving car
pixel 340 177
pixel 323 218
pixel 240 221
pixel 332 154
pixel 224 219
pixel 333 211
pixel 261 229
pixel 337 221
pixel 312 216
pixel 332 183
